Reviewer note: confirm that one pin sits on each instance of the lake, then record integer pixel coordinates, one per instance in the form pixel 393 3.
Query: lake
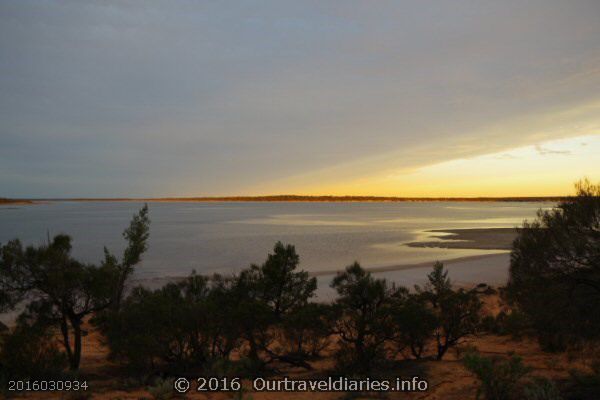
pixel 229 236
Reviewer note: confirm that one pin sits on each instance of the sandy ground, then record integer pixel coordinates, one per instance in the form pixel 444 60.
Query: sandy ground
pixel 464 271
pixel 490 268
pixel 483 239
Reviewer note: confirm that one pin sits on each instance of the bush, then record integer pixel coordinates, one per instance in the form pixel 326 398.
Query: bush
pixel 585 385
pixel 366 322
pixel 62 291
pixel 306 331
pixel 196 323
pixel 162 390
pixel 415 323
pixel 456 311
pixel 160 329
pixel 514 323
pixel 500 378
pixel 242 367
pixel 555 270
pixel 30 352
pixel 541 389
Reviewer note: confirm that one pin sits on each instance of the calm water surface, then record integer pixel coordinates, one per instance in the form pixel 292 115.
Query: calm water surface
pixel 211 237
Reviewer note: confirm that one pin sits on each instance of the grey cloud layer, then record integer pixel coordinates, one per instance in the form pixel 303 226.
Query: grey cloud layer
pixel 165 98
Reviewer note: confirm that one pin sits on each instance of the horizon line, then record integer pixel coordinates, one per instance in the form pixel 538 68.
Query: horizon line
pixel 288 198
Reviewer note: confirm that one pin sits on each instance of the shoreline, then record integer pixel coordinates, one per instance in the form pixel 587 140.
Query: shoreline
pixel 425 264
pixel 469 238
pixel 374 270
pixel 296 199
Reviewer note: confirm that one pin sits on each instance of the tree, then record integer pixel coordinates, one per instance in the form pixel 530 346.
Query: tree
pixel 365 323
pixel 279 285
pixel 136 236
pixel 555 269
pixel 30 351
pixel 458 317
pixel 306 330
pixel 457 311
pixel 438 285
pixel 166 327
pixel 414 323
pixel 62 290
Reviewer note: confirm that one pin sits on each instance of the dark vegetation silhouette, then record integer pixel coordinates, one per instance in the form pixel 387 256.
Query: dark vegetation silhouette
pixel 61 291
pixel 509 379
pixel 457 313
pixel 265 316
pixel 555 270
pixel 365 323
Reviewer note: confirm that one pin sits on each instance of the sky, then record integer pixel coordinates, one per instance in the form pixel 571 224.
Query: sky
pixel 203 98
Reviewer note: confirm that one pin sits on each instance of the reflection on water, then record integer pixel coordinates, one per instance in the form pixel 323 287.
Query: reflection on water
pixel 210 237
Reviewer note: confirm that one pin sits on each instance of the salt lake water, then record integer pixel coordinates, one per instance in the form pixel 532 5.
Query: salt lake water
pixel 229 236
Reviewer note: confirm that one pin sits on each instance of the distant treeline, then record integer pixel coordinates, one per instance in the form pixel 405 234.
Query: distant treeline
pixel 298 198
pixel 4 200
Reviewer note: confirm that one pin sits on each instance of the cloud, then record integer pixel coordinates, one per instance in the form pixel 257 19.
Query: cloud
pixel 200 98
pixel 545 151
pixel 505 156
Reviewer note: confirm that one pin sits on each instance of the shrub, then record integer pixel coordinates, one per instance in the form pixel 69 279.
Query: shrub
pixel 63 291
pixel 456 311
pixel 306 331
pixel 458 317
pixel 366 322
pixel 555 270
pixel 415 323
pixel 541 389
pixel 30 352
pixel 157 329
pixel 514 323
pixel 490 324
pixel 161 390
pixel 585 385
pixel 500 378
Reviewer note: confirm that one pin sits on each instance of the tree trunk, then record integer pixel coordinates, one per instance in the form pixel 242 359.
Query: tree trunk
pixel 441 350
pixel 64 328
pixel 75 358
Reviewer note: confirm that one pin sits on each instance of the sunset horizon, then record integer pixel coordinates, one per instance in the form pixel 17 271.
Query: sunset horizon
pixel 277 199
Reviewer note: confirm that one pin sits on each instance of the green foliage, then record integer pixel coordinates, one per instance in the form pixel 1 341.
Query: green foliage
pixel 244 367
pixel 306 331
pixel 279 285
pixel 366 321
pixel 514 323
pixel 555 270
pixel 177 326
pixel 161 390
pixel 59 289
pixel 136 236
pixel 30 352
pixel 200 321
pixel 242 394
pixel 415 324
pixel 541 389
pixel 585 385
pixel 500 378
pixel 457 312
pixel 438 286
pixel 458 317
